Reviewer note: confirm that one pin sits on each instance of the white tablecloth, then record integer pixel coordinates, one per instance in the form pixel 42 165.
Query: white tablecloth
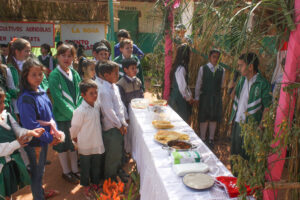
pixel 158 180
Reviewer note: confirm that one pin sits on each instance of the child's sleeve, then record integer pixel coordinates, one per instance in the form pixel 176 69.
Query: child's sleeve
pixel 56 94
pixel 76 123
pixel 138 52
pixel 28 117
pixel 7 148
pixel 181 82
pixel 18 130
pixel 122 94
pixel 198 84
pixel 107 109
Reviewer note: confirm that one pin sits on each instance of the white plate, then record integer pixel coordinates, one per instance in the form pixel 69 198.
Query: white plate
pixel 198 181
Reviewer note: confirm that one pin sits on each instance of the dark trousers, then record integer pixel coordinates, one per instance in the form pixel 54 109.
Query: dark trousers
pixel 113 140
pixel 91 168
pixel 237 142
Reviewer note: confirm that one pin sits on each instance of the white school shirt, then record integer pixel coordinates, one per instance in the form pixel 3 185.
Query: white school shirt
pixel 243 100
pixel 67 75
pixel 86 127
pixel 7 148
pixel 199 79
pixel 184 90
pixel 111 107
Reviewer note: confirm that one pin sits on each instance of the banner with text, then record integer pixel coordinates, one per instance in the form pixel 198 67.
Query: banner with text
pixel 37 33
pixel 84 34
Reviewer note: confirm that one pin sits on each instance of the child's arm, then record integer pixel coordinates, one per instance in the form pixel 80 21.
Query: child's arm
pixel 7 148
pixel 138 52
pixel 28 117
pixel 76 123
pixel 108 110
pixel 181 82
pixel 56 94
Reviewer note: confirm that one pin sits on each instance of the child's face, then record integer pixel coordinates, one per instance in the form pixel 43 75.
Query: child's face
pixel 90 72
pixel 90 96
pixel 131 71
pixel 244 68
pixel 2 105
pixel 113 77
pixel 44 51
pixel 102 56
pixel 127 50
pixel 213 59
pixel 24 53
pixel 65 60
pixel 35 77
pixel 4 51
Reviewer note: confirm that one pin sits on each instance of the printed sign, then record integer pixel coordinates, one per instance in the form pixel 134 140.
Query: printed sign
pixel 37 33
pixel 84 34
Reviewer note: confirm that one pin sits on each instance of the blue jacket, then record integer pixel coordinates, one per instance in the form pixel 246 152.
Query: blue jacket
pixel 35 106
pixel 136 51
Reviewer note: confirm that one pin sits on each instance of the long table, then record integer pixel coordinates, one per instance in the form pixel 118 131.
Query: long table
pixel 157 178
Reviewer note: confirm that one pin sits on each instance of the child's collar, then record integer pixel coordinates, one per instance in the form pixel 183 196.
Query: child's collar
pixel 123 57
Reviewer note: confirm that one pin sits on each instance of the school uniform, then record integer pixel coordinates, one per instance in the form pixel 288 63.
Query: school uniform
pixel 47 61
pixel 64 89
pixel 13 173
pixel 86 127
pixel 130 88
pixel 113 119
pixel 251 97
pixel 208 92
pixel 139 74
pixel 180 94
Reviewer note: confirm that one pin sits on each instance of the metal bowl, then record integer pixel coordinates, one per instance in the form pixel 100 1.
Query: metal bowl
pixel 179 145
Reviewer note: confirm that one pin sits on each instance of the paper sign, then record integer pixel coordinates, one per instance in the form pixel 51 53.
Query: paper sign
pixel 37 33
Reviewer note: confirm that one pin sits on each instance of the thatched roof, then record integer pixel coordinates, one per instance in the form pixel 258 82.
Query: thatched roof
pixel 52 10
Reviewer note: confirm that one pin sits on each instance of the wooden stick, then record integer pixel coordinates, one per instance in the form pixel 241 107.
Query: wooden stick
pixel 281 185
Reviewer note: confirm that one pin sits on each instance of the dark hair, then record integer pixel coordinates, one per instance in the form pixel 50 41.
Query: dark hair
pixel 18 44
pixel 101 47
pixel 71 42
pixel 95 45
pixel 4 45
pixel 122 33
pixel 80 51
pixel 107 44
pixel 28 64
pixel 83 64
pixel 64 48
pixel 250 58
pixel 47 47
pixel 58 44
pixel 127 62
pixel 124 42
pixel 211 52
pixel 182 59
pixel 107 67
pixel 85 85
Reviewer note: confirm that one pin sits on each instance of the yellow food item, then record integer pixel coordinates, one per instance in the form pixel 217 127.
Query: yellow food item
pixel 160 102
pixel 164 137
pixel 161 124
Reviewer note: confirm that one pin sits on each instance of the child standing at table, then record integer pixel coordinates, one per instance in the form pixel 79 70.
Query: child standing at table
pixel 208 95
pixel 13 173
pixel 86 132
pixel 126 48
pixel 64 89
pixel 113 120
pixel 46 58
pixel 36 112
pixel 86 68
pixel 129 85
pixel 181 96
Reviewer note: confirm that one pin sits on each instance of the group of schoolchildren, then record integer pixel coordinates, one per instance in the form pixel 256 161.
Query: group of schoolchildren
pixel 87 115
pixel 84 116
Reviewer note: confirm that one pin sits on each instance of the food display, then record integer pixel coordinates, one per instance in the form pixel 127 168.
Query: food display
pixel 164 136
pixel 198 181
pixel 160 102
pixel 162 124
pixel 182 157
pixel 139 103
pixel 179 145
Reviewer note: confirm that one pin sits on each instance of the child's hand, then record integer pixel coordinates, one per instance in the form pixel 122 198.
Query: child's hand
pixel 196 102
pixel 191 101
pixel 55 141
pixel 127 121
pixel 36 132
pixel 123 130
pixel 23 140
pixel 75 139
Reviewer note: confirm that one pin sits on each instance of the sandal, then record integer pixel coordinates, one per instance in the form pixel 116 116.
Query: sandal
pixel 51 193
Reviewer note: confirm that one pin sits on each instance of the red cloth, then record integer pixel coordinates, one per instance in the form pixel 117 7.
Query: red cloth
pixel 230 186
